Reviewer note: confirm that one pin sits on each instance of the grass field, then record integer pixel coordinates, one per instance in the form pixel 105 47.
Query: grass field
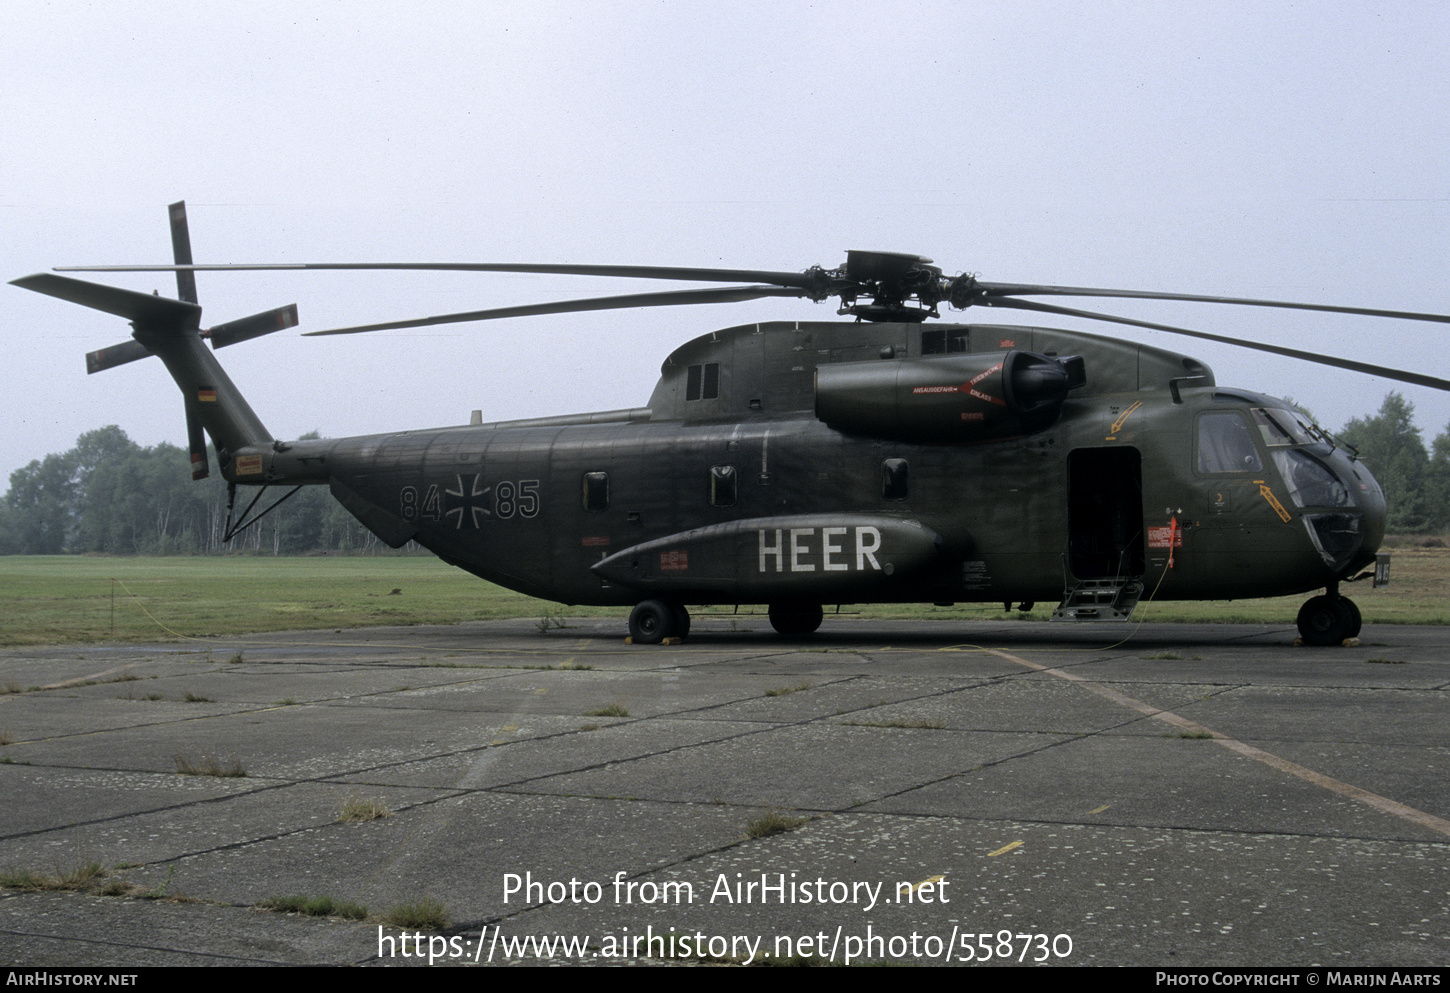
pixel 61 599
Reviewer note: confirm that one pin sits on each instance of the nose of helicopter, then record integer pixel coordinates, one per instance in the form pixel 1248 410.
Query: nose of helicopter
pixel 1348 535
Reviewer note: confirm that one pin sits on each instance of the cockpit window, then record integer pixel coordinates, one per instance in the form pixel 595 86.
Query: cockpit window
pixel 1225 444
pixel 1282 427
pixel 1278 428
pixel 1310 483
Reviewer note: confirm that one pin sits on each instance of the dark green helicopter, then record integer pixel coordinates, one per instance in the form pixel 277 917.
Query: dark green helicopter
pixel 806 463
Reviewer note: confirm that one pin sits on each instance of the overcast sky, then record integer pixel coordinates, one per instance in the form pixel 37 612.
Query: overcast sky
pixel 1264 149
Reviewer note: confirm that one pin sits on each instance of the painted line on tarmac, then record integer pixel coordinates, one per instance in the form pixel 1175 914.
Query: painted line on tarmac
pixel 1380 803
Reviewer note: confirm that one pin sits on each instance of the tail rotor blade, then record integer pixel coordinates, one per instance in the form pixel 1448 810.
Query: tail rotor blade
pixel 247 328
pixel 181 250
pixel 108 358
pixel 196 441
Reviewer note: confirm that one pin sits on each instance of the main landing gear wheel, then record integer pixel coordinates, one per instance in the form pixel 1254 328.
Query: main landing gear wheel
pixel 1329 620
pixel 652 621
pixel 796 620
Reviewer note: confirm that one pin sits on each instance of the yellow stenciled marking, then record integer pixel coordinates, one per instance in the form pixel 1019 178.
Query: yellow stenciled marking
pixel 1100 809
pixel 1122 419
pixel 1006 848
pixel 1267 493
pixel 928 881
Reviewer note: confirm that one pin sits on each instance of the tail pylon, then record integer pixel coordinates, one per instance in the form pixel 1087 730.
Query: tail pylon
pixel 171 330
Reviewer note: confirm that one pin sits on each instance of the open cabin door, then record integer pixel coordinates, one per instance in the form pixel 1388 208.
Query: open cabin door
pixel 1105 555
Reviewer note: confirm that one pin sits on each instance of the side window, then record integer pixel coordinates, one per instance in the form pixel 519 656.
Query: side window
pixel 1225 444
pixel 702 382
pixel 723 485
pixel 937 341
pixel 596 491
pixel 893 479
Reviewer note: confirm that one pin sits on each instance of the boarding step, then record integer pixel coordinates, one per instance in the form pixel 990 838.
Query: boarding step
pixel 1100 600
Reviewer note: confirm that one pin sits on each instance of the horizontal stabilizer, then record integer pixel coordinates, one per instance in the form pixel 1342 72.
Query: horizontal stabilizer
pixel 108 358
pixel 157 313
pixel 247 328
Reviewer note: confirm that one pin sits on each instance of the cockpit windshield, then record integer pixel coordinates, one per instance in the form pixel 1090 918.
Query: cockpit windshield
pixel 1310 482
pixel 1280 428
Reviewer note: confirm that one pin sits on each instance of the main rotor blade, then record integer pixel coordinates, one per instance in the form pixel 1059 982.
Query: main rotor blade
pixel 996 291
pixel 1418 379
pixel 821 283
pixel 666 298
pixel 798 279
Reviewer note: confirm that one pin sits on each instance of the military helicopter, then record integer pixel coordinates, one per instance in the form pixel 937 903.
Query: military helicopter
pixel 801 464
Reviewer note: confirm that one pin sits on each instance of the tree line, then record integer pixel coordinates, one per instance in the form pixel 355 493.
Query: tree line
pixel 1416 481
pixel 109 494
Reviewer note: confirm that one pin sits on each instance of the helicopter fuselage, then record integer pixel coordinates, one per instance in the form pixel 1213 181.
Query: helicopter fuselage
pixel 808 463
pixel 842 463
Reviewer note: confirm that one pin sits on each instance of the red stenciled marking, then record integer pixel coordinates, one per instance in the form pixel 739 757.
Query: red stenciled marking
pixel 1165 537
pixel 983 375
pixel 970 386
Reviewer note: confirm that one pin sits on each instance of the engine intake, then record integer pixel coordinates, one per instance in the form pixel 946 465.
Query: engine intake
pixel 974 397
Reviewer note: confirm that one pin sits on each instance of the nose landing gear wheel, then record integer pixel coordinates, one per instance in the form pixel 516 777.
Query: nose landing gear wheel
pixel 1329 620
pixel 1356 621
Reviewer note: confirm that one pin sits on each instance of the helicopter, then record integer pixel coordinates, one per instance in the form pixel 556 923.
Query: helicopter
pixel 800 464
